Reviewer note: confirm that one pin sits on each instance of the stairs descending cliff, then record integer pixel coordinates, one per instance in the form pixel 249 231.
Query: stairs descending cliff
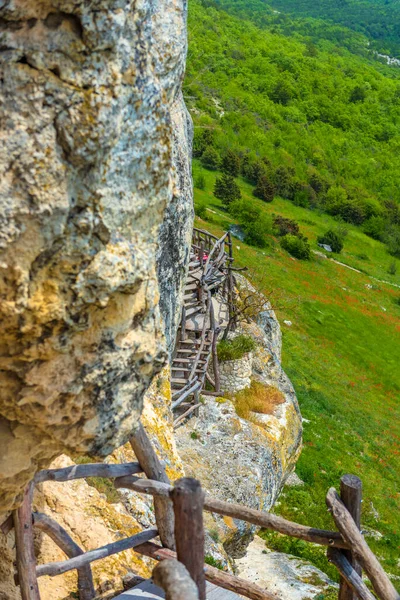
pixel 208 303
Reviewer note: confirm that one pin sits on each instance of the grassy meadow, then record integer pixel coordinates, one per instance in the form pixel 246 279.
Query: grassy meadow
pixel 342 353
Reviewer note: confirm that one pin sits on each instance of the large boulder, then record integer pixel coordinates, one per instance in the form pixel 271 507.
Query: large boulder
pixel 87 91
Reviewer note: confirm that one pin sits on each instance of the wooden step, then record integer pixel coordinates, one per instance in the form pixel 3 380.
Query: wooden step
pixel 186 360
pixel 186 369
pixel 191 286
pixel 190 352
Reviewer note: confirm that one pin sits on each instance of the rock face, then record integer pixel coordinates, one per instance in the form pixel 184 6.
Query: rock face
pixel 87 91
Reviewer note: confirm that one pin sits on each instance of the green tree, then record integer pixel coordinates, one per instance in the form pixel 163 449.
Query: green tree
pixel 265 189
pixel 210 159
pixel 230 163
pixel 226 189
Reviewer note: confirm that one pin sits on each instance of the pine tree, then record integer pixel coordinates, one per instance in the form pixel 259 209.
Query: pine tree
pixel 230 163
pixel 226 189
pixel 265 190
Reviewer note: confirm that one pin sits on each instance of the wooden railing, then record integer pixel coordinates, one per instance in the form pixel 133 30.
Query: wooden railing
pixel 179 517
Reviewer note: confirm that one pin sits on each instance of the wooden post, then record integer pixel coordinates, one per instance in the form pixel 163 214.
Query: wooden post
pixel 153 469
pixel 188 500
pixel 63 540
pixel 173 577
pixel 183 324
pixel 347 572
pixel 350 493
pixel 381 583
pixel 26 561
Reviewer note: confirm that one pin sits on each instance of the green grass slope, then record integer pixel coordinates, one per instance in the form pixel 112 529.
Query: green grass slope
pixel 342 354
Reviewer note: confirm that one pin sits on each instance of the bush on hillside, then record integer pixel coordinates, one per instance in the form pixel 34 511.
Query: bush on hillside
pixel 200 182
pixel 265 189
pixel 375 227
pixel 283 226
pixel 253 170
pixel 296 246
pixel 200 211
pixel 254 222
pixel 333 239
pixel 392 240
pixel 210 159
pixel 226 189
pixel 236 348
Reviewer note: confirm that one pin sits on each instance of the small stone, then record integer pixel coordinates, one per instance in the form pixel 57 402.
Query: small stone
pixel 288 323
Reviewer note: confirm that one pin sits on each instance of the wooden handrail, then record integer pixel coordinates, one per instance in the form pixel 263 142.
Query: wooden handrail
pixel 88 470
pixel 243 513
pixel 57 568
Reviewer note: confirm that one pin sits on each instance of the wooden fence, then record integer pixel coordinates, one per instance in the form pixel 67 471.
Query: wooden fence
pixel 179 518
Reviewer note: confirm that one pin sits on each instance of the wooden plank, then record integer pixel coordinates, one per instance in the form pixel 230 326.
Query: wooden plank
pixel 186 414
pixel 350 493
pixel 219 578
pixel 26 561
pixel 70 548
pixel 381 583
pixel 349 574
pixel 57 568
pixel 188 499
pixel 88 470
pixel 154 469
pixel 196 386
pixel 173 577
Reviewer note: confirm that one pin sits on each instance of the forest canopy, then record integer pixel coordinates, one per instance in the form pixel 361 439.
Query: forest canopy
pixel 319 126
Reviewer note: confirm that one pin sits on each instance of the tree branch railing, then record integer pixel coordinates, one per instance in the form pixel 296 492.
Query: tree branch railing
pixel 346 548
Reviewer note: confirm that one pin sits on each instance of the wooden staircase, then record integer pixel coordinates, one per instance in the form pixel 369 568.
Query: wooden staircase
pixel 208 300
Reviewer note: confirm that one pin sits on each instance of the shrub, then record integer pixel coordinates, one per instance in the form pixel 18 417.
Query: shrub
pixel 296 246
pixel 252 171
pixel 392 268
pixel 392 240
pixel 226 189
pixel 200 182
pixel 258 398
pixel 332 239
pixel 283 226
pixel 375 227
pixel 254 222
pixel 235 348
pixel 265 190
pixel 201 211
pixel 210 159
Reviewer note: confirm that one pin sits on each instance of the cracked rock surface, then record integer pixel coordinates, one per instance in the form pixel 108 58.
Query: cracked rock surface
pixel 87 89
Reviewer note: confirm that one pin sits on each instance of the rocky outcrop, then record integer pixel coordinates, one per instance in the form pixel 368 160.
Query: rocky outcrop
pixel 239 460
pixel 283 574
pixel 87 92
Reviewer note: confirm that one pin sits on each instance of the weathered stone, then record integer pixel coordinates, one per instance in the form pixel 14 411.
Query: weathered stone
pixel 235 375
pixel 86 97
pixel 283 574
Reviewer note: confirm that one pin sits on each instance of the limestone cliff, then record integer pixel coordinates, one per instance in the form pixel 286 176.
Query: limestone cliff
pixel 89 91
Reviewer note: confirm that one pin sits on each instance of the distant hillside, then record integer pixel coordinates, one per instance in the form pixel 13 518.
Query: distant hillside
pixel 378 20
pixel 324 122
